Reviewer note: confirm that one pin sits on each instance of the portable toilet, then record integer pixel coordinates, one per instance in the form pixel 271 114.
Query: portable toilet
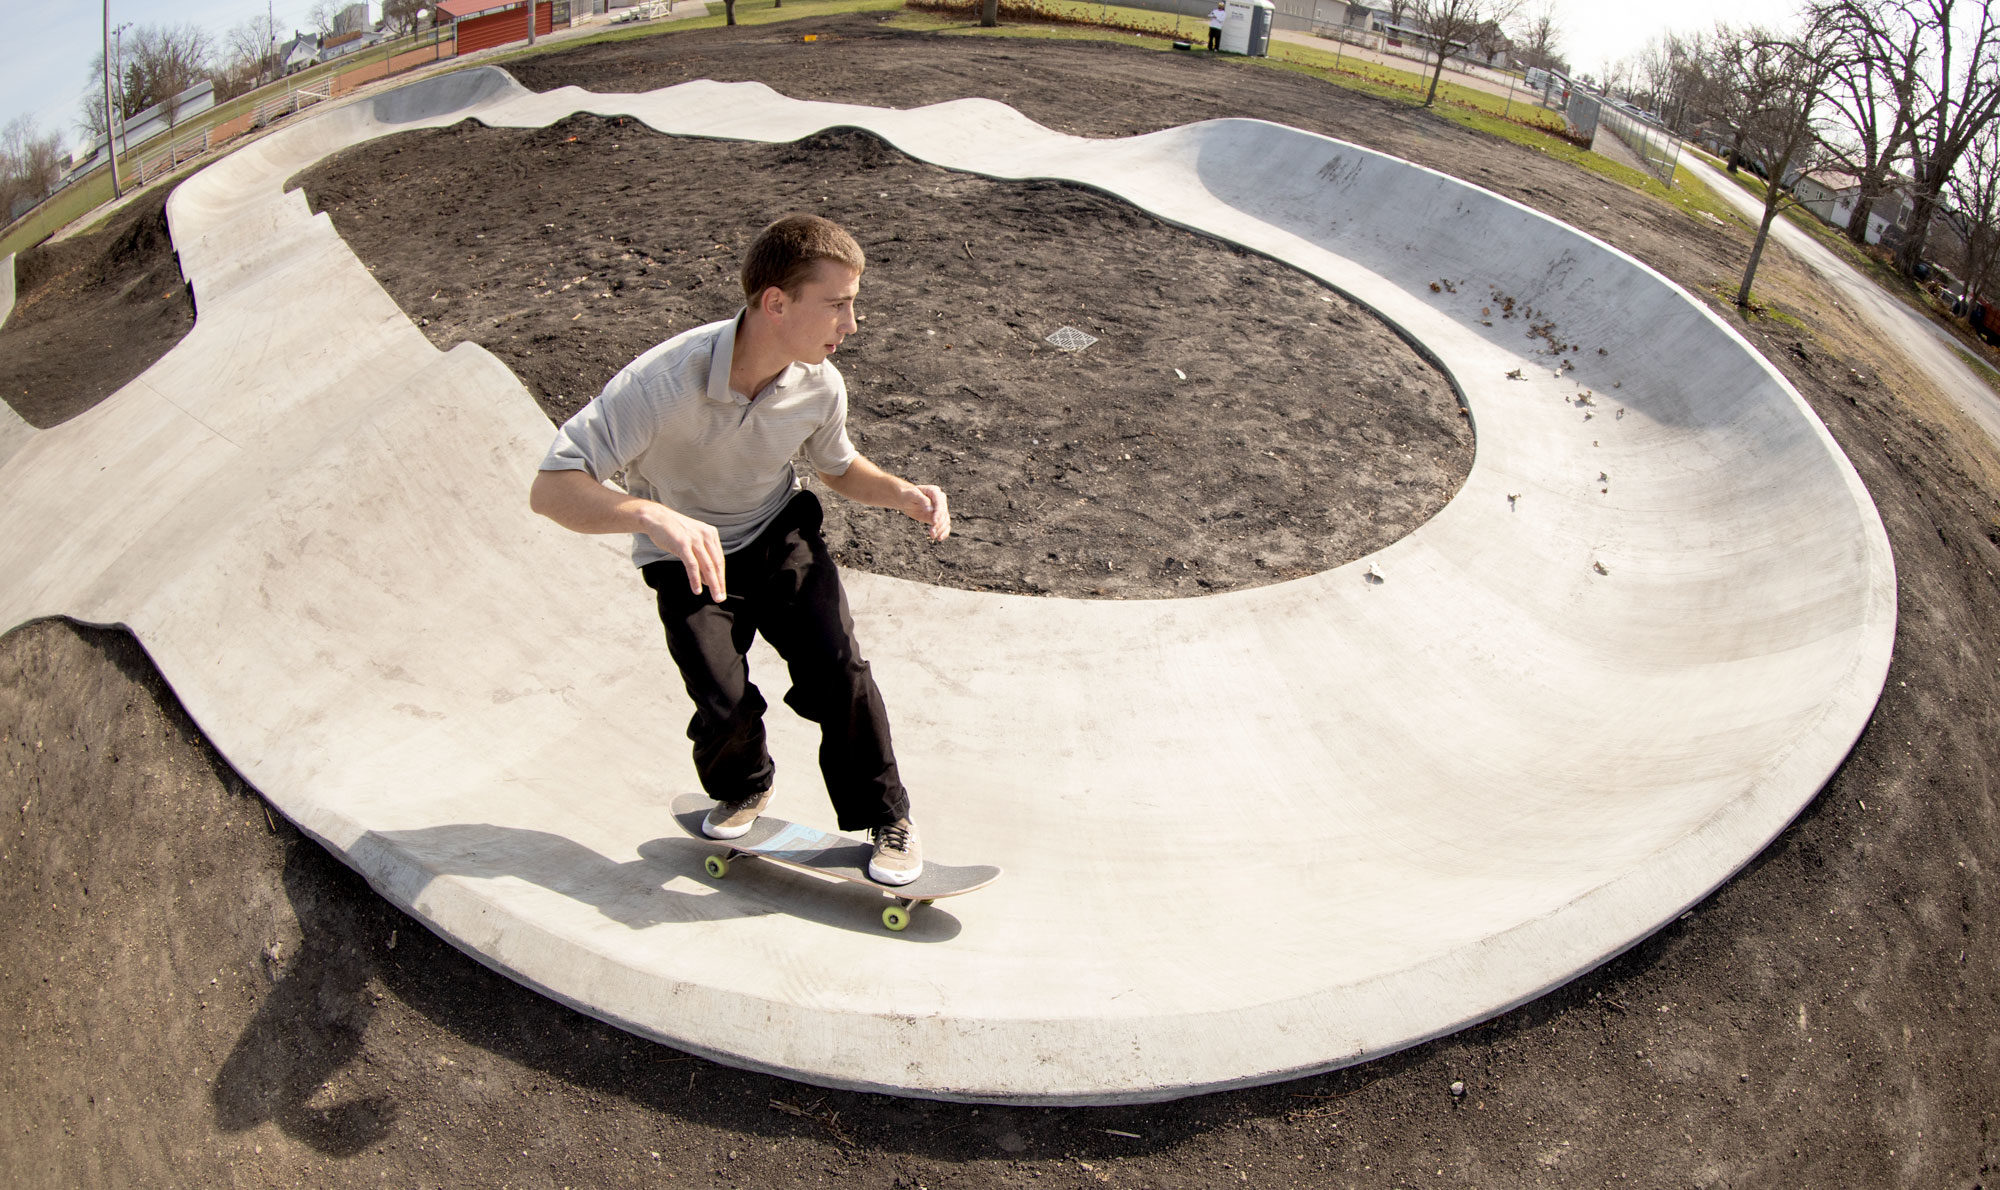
pixel 1246 27
pixel 1263 14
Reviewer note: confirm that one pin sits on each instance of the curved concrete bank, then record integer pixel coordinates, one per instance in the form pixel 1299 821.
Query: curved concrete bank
pixel 13 431
pixel 1246 836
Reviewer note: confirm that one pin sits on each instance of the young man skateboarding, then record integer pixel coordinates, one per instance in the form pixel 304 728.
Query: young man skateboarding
pixel 704 428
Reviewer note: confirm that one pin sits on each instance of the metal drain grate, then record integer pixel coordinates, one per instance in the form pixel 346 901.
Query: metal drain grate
pixel 1071 339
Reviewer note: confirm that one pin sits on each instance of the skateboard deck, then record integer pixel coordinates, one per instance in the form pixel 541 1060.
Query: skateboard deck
pixel 822 853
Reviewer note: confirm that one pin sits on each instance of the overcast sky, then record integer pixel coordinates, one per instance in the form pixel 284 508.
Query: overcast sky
pixel 42 66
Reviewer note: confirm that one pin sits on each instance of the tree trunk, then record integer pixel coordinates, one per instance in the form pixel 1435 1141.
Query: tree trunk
pixel 1857 223
pixel 1437 72
pixel 728 12
pixel 1735 157
pixel 1757 249
pixel 989 14
pixel 1911 253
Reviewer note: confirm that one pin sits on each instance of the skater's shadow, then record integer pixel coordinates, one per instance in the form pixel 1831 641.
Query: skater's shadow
pixel 291 1064
pixel 664 886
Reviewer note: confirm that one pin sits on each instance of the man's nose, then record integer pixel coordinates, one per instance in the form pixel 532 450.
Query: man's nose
pixel 847 323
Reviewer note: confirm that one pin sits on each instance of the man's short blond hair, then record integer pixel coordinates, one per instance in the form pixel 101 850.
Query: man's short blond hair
pixel 785 253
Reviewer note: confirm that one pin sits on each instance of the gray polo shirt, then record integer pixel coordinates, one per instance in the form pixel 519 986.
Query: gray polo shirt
pixel 682 437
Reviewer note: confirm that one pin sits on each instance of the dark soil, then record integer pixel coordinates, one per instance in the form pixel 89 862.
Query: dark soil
pixel 197 996
pixel 1235 423
pixel 91 313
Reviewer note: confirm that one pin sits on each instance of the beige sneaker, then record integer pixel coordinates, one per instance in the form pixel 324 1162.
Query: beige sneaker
pixel 897 859
pixel 733 820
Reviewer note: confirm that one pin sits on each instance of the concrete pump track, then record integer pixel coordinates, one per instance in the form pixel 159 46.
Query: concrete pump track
pixel 1297 827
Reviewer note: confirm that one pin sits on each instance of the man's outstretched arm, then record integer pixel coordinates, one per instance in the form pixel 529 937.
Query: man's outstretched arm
pixel 865 483
pixel 579 503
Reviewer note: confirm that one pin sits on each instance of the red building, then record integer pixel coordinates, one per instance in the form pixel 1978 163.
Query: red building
pixel 483 24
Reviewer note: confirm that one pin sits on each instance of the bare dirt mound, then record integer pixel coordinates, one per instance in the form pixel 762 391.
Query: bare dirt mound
pixel 91 313
pixel 1235 423
pixel 1825 1019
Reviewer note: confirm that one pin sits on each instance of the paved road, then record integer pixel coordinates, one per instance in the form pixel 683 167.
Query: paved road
pixel 1960 375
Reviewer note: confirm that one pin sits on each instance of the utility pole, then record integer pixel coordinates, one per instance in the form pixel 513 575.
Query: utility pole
pixel 531 22
pixel 110 112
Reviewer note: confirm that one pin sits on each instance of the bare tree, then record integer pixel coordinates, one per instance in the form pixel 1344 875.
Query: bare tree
pixel 1872 92
pixel 1453 25
pixel 1617 78
pixel 1955 103
pixel 254 45
pixel 402 15
pixel 1667 74
pixel 161 61
pixel 1789 77
pixel 93 121
pixel 323 14
pixel 30 164
pixel 989 14
pixel 1975 189
pixel 1687 79
pixel 1539 43
pixel 1744 83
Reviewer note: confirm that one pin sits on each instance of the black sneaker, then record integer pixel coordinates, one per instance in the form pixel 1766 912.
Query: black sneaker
pixel 897 858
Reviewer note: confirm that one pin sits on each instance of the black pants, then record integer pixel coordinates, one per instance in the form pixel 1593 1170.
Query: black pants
pixel 1214 38
pixel 785 586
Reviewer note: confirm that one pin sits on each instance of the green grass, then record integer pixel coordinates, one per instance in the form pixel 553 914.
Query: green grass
pixel 1405 84
pixel 59 212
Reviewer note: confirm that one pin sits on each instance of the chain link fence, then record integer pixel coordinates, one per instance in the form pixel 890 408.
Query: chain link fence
pixel 1655 147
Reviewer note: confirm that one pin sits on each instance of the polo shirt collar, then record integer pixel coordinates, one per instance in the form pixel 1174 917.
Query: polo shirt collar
pixel 723 354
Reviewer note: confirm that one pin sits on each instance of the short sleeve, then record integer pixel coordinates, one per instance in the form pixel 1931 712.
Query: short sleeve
pixel 607 435
pixel 829 449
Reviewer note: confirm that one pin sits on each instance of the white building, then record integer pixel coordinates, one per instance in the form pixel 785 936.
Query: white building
pixel 1831 194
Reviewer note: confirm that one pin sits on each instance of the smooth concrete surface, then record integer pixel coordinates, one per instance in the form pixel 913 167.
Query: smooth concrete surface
pixel 1965 379
pixel 1246 836
pixel 14 432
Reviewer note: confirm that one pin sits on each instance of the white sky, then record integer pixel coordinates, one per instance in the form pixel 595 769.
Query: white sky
pixel 1596 33
pixel 42 66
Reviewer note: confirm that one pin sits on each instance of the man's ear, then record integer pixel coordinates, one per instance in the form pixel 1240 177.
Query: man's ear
pixel 772 301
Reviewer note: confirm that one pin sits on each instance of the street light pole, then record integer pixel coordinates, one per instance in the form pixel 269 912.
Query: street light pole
pixel 110 112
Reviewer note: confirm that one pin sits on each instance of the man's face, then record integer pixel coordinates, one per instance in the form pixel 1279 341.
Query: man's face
pixel 812 322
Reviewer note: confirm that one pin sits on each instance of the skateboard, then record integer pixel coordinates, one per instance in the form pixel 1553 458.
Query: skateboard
pixel 839 857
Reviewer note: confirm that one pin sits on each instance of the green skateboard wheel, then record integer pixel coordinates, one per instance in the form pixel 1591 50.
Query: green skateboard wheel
pixel 895 917
pixel 717 866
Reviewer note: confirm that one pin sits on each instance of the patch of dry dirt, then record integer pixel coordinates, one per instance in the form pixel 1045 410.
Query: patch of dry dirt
pixel 1824 1019
pixel 91 313
pixel 1235 423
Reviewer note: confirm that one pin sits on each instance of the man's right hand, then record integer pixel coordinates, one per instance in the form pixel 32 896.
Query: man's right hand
pixel 695 543
pixel 579 503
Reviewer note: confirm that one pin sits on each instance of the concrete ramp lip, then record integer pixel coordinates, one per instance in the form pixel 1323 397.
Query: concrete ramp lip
pixel 1599 681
